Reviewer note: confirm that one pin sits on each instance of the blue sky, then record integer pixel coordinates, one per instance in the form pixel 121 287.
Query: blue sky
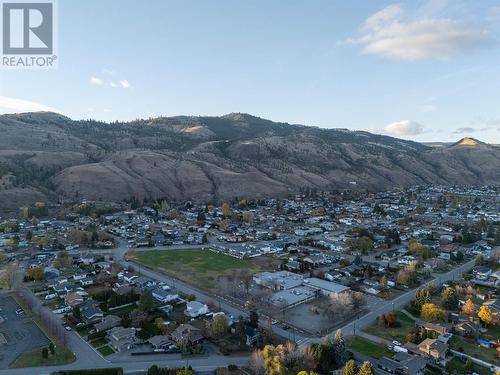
pixel 422 70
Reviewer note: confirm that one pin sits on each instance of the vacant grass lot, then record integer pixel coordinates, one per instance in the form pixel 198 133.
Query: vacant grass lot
pixel 197 267
pixel 473 349
pixel 404 325
pixel 35 359
pixel 456 366
pixel 371 349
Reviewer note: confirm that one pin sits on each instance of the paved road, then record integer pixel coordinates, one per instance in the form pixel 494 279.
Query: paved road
pixel 200 364
pixel 88 358
pixel 397 303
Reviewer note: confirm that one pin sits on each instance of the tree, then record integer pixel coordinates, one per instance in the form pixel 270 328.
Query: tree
pixel 383 282
pixel 422 297
pixel 35 273
pixel 52 348
pixel 350 368
pixel 485 315
pixel 185 372
pixel 389 319
pixel 247 216
pixel 63 260
pixel 469 366
pixel 366 369
pixel 469 308
pixel 146 302
pixel 254 319
pixel 339 348
pixel 226 210
pixel 273 363
pixel 218 327
pixel 45 353
pixel 256 363
pixel 432 312
pixel 449 299
pixel 77 314
pixel 154 370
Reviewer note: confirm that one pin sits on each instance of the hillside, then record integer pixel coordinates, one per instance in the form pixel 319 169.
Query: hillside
pixel 47 156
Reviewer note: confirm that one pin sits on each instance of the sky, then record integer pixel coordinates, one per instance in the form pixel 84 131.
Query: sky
pixel 423 70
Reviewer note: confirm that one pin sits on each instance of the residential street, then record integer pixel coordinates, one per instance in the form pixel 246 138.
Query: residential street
pixel 88 358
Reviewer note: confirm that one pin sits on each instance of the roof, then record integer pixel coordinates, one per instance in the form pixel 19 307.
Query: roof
pixel 160 340
pixel 325 285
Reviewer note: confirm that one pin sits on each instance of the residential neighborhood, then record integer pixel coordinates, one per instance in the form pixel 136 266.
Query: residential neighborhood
pixel 408 278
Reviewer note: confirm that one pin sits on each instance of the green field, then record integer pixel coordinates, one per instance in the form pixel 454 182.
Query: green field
pixel 197 267
pixel 404 325
pixel 368 348
pixel 473 349
pixel 35 359
pixel 458 367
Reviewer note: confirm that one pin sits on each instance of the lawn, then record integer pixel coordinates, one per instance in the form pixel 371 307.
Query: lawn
pixel 105 350
pixel 456 366
pixel 473 349
pixel 405 324
pixel 98 343
pixel 122 310
pixel 35 359
pixel 368 348
pixel 197 267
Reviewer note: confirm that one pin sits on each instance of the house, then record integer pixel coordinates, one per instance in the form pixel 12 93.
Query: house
pixel 195 309
pixel 186 334
pixel 252 335
pixel 440 329
pixel 481 272
pixel 79 276
pixel 415 364
pixel 466 329
pixel 161 342
pixel 90 311
pixel 144 282
pixel 73 299
pixel 433 348
pixel 109 321
pixel 164 296
pixel 121 338
pixel 87 281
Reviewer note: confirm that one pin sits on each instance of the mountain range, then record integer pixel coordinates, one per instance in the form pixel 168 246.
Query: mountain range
pixel 47 156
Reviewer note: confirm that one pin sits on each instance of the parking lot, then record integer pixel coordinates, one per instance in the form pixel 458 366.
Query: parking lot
pixel 20 332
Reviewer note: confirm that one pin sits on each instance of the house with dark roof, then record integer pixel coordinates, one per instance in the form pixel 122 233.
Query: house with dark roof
pixel 186 334
pixel 109 321
pixel 90 311
pixel 121 338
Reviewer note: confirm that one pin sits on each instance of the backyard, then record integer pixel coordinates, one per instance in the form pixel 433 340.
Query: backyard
pixel 473 349
pixel 368 348
pixel 34 358
pixel 197 267
pixel 403 325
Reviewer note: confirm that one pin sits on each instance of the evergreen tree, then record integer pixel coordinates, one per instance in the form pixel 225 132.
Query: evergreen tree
pixel 340 348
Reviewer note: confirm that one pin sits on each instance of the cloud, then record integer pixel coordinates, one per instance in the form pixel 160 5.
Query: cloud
pixel 125 84
pixel 403 128
pixel 96 81
pixel 10 105
pixel 468 130
pixel 386 34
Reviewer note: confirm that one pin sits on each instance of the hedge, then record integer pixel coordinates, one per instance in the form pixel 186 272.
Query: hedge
pixel 101 371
